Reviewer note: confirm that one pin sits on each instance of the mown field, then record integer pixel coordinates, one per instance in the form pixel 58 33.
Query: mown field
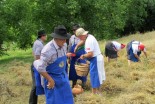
pixel 124 84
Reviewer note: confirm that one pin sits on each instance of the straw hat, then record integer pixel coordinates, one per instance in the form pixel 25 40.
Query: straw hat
pixel 81 31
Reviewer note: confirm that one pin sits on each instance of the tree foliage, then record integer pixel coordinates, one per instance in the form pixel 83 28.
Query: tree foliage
pixel 106 19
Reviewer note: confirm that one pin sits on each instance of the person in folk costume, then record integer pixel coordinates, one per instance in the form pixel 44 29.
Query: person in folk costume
pixel 112 48
pixel 37 47
pixel 134 49
pixel 93 54
pixel 72 44
pixel 52 65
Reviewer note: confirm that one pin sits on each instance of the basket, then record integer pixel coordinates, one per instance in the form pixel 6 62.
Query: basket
pixel 82 69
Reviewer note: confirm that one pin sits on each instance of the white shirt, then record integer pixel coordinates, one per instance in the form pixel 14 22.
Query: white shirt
pixel 135 48
pixel 73 40
pixel 91 45
pixel 117 45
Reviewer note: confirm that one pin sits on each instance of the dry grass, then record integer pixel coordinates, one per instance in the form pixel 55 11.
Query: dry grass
pixel 133 98
pixel 87 98
pixel 124 85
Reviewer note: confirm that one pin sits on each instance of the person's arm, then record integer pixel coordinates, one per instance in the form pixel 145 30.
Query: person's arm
pixel 137 57
pixel 88 55
pixel 115 49
pixel 135 52
pixel 78 45
pixel 145 54
pixel 41 67
pixel 37 52
pixel 89 48
pixel 36 57
pixel 144 51
pixel 117 54
pixel 51 82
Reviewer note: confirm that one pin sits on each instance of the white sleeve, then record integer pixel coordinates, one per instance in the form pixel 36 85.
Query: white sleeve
pixel 36 64
pixel 89 46
pixel 135 50
pixel 45 58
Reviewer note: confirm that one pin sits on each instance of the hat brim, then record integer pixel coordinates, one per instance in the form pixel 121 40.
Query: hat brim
pixel 61 37
pixel 85 33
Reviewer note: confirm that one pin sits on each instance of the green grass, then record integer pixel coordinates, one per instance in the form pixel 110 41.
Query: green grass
pixel 22 55
pixel 17 55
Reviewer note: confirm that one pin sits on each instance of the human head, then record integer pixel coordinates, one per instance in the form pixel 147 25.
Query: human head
pixel 81 33
pixel 75 27
pixel 141 47
pixel 42 35
pixel 60 35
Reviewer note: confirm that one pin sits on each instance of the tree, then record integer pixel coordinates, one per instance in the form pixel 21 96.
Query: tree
pixel 106 19
pixel 17 20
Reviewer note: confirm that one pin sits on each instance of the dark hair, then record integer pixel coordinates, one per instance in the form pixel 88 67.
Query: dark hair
pixel 41 33
pixel 75 26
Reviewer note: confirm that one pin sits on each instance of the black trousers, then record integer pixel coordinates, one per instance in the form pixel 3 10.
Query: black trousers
pixel 33 97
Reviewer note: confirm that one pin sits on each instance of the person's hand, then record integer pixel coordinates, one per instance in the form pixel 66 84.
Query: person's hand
pixel 82 57
pixel 75 49
pixel 69 61
pixel 69 54
pixel 51 84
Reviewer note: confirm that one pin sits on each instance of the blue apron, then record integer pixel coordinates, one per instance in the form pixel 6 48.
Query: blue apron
pixel 61 94
pixel 72 72
pixel 39 88
pixel 94 77
pixel 131 55
pixel 66 68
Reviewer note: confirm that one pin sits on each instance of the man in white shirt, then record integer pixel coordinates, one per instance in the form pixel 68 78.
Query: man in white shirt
pixel 112 48
pixel 93 54
pixel 134 49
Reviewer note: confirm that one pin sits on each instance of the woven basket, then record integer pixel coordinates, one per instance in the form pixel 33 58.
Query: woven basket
pixel 82 69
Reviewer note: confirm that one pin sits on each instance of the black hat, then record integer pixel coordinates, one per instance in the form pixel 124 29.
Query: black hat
pixel 41 33
pixel 75 26
pixel 60 32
